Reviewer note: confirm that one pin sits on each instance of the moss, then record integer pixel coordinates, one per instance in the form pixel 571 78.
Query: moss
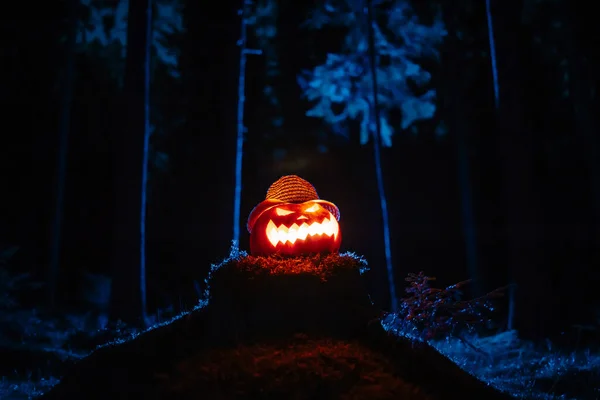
pixel 271 296
pixel 322 265
pixel 307 367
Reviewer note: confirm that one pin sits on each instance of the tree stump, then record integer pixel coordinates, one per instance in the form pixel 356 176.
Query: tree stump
pixel 301 328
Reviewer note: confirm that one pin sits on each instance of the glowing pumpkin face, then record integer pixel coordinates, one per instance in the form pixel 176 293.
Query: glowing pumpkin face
pixel 295 229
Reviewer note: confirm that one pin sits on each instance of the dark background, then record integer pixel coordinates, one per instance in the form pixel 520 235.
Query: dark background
pixel 533 164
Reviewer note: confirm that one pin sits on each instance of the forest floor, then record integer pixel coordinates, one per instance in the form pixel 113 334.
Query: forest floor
pixel 525 369
pixel 36 349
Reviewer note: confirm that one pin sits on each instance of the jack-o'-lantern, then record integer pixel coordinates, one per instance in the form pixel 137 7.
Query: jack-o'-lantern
pixel 292 220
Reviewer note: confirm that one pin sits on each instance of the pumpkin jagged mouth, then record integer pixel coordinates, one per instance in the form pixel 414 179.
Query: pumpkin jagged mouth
pixel 283 234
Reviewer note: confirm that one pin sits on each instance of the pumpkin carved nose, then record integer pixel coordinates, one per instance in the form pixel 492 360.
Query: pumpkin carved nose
pixel 302 217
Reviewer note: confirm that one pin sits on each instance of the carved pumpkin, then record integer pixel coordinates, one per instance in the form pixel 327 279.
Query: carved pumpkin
pixel 292 220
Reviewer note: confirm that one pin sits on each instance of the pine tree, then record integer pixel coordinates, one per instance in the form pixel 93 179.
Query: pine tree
pixel 343 80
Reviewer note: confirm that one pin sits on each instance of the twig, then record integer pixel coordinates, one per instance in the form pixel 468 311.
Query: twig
pixel 474 348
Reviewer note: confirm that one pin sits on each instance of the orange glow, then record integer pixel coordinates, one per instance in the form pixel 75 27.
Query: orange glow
pixel 281 212
pixel 282 234
pixel 313 208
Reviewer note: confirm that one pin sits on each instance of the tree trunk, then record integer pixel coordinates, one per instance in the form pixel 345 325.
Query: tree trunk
pixel 63 140
pixel 241 127
pixel 581 90
pixel 515 145
pixel 128 296
pixel 377 158
pixel 457 78
pixel 582 65
pixel 496 87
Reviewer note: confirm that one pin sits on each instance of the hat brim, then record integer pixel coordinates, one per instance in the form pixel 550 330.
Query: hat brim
pixel 266 205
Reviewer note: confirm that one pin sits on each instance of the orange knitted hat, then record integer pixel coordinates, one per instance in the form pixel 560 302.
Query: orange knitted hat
pixel 289 189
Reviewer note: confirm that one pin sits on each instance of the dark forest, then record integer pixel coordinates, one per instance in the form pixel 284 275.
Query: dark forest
pixel 454 144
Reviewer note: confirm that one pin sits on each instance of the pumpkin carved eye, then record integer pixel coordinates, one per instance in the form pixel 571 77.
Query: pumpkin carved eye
pixel 281 212
pixel 313 208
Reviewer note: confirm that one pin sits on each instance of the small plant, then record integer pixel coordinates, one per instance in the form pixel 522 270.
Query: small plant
pixel 429 313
